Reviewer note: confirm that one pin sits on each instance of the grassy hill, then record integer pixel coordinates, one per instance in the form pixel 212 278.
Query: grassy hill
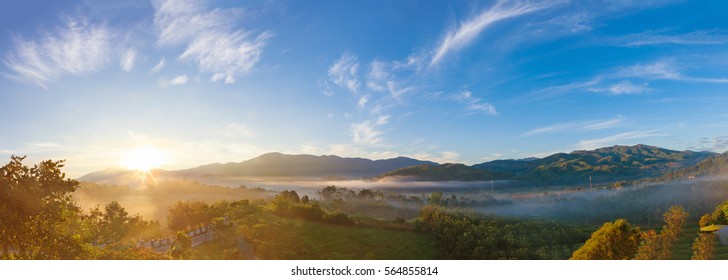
pixel 444 172
pixel 322 241
pixel 711 166
pixel 604 165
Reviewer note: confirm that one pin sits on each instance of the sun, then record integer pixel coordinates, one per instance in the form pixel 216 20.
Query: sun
pixel 143 158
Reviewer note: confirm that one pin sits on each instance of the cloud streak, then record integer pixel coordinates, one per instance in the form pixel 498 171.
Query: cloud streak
pixel 650 38
pixel 366 133
pixel 77 48
pixel 159 66
pixel 128 60
pixel 344 72
pixel 616 139
pixel 582 126
pixel 468 30
pixel 210 38
pixel 474 104
pixel 179 80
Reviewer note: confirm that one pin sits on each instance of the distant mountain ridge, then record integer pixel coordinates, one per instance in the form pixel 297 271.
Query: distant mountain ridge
pixel 281 165
pixel 609 164
pixel 444 172
pixel 272 165
pixel 716 165
pixel 603 165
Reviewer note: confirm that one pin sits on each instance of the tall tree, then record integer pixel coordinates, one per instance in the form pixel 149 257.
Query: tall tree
pixel 704 247
pixel 616 240
pixel 37 211
pixel 659 246
pixel 181 247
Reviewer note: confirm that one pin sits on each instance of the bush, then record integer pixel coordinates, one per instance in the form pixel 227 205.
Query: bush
pixel 339 219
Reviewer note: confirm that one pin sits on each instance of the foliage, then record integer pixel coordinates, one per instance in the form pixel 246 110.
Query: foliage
pixel 705 220
pixel 186 214
pixel 616 240
pixel 435 198
pixel 37 214
pixel 704 247
pixel 470 236
pixel 153 202
pixel 709 166
pixel 659 246
pixel 118 251
pixel 604 165
pixel 369 203
pixel 181 247
pixel 114 225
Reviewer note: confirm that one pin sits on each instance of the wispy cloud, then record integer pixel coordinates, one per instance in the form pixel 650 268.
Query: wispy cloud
pixel 699 37
pixel 128 59
pixel 378 75
pixel 77 48
pixel 557 90
pixel 179 80
pixel 226 55
pixel 625 87
pixel 366 133
pixel 474 104
pixel 468 30
pixel 616 139
pixel 159 66
pixel 210 38
pixel 582 126
pixel 614 82
pixel 382 120
pixel 442 157
pixel 363 101
pixel 344 72
pixel 665 69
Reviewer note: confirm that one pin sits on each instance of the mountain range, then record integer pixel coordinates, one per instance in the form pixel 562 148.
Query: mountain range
pixel 271 165
pixel 604 165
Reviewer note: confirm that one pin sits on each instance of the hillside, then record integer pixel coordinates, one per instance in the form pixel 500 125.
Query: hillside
pixel 715 165
pixel 281 165
pixel 610 164
pixel 604 165
pixel 444 172
pixel 272 165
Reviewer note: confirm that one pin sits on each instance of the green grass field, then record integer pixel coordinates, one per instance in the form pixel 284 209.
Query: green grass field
pixel 327 241
pixel 683 249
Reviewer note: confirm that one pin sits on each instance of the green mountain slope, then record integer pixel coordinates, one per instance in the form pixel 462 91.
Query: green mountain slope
pixel 604 165
pixel 444 172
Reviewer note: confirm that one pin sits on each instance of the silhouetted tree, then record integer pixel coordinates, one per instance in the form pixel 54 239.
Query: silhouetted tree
pixel 36 211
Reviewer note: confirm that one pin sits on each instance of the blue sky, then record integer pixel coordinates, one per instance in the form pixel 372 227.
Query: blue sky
pixel 449 81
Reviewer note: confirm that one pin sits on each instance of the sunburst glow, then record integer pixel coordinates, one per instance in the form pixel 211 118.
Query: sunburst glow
pixel 143 158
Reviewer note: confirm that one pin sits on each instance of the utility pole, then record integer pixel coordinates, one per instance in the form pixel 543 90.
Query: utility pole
pixel 590 183
pixel 491 187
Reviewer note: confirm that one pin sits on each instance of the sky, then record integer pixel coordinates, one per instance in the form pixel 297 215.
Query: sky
pixel 447 81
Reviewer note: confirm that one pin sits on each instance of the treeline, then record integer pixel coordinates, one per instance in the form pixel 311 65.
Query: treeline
pixel 268 227
pixel 154 200
pixel 462 235
pixel 40 220
pixel 620 240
